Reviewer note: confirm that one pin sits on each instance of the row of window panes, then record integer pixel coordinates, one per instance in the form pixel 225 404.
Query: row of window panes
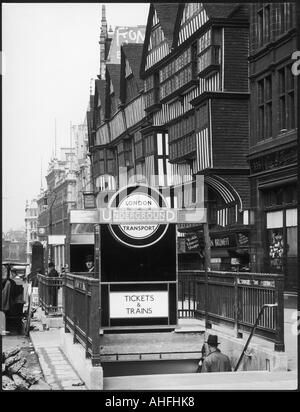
pixel 284 21
pixel 176 82
pixel 151 97
pixel 182 128
pixel 285 16
pixel 182 147
pixel 145 147
pixel 149 83
pixel 204 41
pixel 286 102
pixel 149 145
pixel 175 65
pixel 211 56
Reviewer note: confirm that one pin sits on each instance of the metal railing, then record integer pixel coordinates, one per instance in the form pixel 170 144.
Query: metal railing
pixel 234 299
pixel 82 312
pixel 226 298
pixel 50 290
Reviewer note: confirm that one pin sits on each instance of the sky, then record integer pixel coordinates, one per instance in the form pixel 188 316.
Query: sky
pixel 50 54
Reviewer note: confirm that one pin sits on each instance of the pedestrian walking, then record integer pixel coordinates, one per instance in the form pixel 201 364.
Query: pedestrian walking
pixel 215 361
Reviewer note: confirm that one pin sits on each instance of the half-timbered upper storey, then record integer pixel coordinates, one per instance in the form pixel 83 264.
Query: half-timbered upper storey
pixel 192 91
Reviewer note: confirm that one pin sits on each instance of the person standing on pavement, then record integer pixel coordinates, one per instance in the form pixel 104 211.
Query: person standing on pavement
pixel 53 288
pixel 215 361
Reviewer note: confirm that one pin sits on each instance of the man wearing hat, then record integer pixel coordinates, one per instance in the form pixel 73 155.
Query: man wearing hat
pixel 89 263
pixel 215 361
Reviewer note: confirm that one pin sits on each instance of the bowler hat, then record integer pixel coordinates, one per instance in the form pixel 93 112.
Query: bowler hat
pixel 89 258
pixel 212 340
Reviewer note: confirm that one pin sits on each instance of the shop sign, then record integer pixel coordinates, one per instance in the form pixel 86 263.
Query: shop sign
pixel 124 35
pixel 194 241
pixel 242 239
pixel 223 241
pixel 256 282
pixel 56 239
pixel 131 305
pixel 89 200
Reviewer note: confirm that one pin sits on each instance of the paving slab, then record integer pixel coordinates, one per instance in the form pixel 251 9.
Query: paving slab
pixel 58 371
pixel 258 380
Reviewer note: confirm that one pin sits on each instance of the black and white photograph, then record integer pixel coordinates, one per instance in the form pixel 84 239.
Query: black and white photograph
pixel 150 199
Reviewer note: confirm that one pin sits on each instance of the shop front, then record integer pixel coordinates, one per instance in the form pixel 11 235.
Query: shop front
pixel 280 232
pixel 229 249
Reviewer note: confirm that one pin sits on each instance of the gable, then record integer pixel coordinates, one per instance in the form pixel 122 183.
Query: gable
pixel 192 17
pixel 130 83
pixel 159 33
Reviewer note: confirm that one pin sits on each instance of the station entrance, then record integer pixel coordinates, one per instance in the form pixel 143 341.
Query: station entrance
pixel 135 259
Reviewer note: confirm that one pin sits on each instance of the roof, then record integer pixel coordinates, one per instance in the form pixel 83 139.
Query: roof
pixel 100 88
pixel 167 13
pixel 133 53
pixel 114 74
pixel 167 16
pixel 220 10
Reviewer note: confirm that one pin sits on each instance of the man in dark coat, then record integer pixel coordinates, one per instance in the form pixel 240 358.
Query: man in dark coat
pixel 53 289
pixel 89 264
pixel 215 361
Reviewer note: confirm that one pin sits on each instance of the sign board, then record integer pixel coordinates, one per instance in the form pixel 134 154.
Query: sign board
pixel 56 239
pixel 148 304
pixel 137 203
pixel 124 35
pixel 89 200
pixel 194 241
pixel 223 241
pixel 116 216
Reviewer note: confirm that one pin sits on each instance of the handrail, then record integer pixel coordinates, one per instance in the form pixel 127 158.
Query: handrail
pixel 267 305
pixel 233 274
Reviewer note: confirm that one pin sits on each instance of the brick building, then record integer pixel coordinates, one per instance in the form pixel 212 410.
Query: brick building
pixel 273 139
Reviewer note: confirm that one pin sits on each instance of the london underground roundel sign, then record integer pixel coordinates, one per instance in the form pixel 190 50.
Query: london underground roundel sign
pixel 144 199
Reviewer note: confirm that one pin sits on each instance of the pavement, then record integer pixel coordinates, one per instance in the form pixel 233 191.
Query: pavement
pixel 58 371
